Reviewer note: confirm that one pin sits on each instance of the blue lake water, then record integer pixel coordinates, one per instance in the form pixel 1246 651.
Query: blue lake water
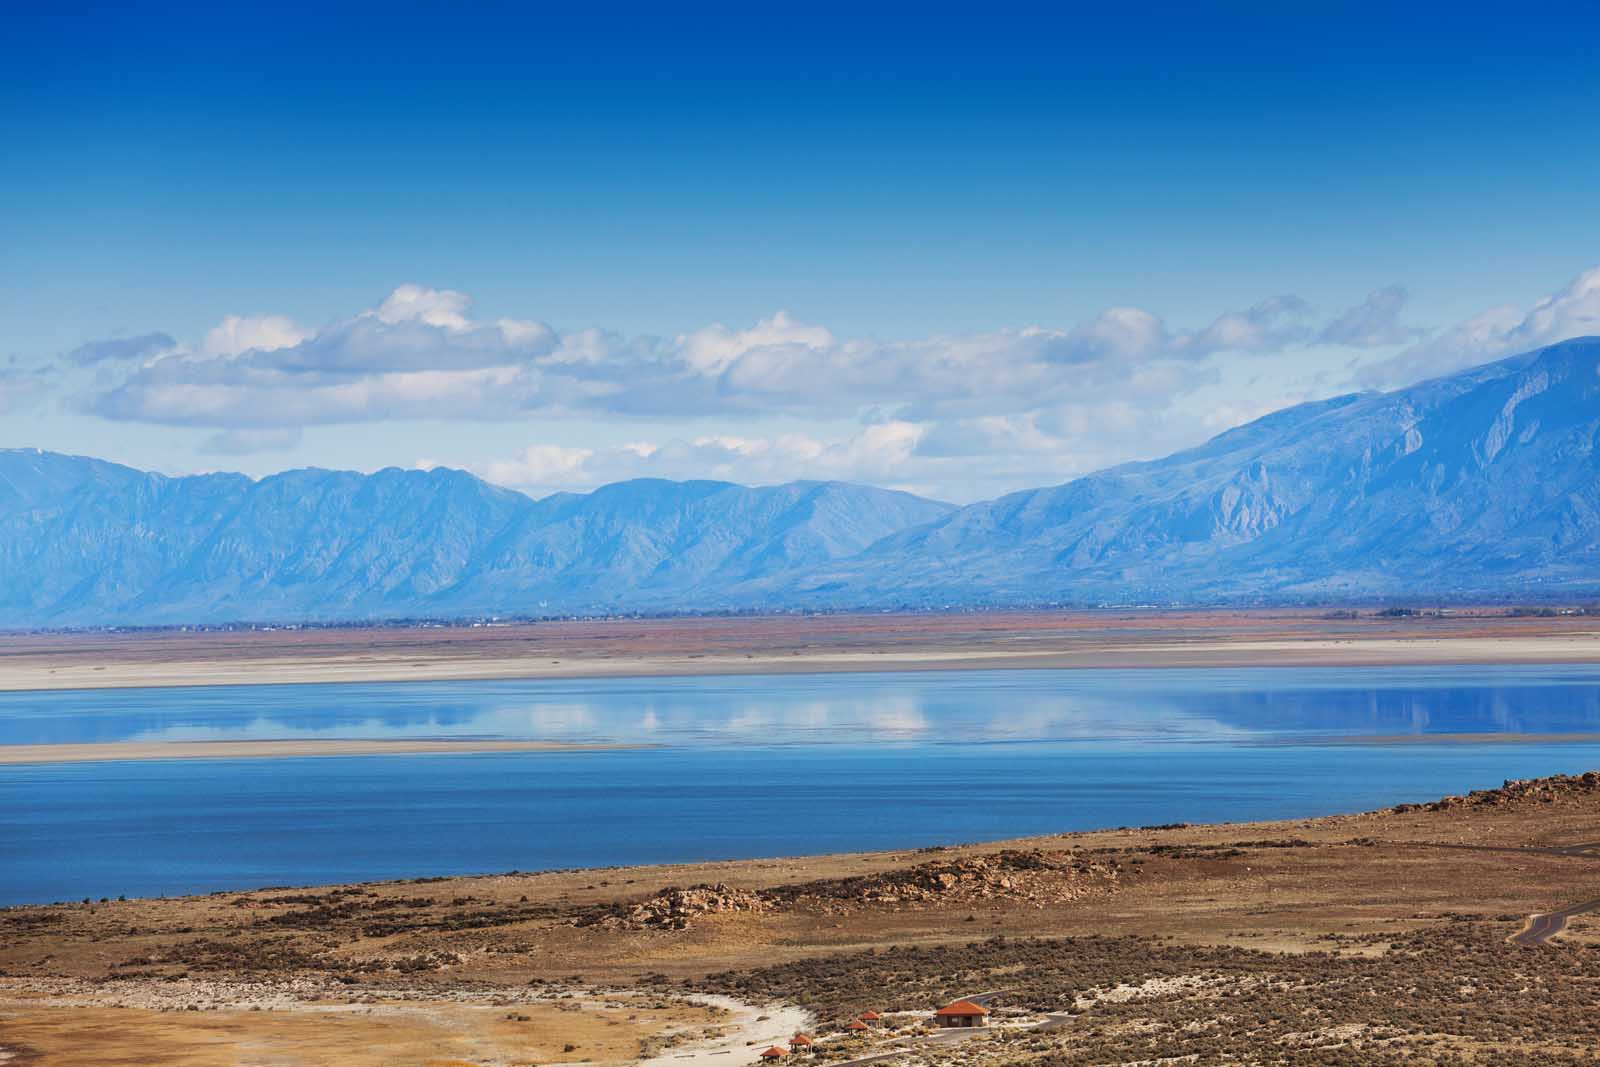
pixel 741 767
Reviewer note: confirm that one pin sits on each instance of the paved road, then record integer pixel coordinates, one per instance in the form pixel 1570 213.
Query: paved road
pixel 1540 928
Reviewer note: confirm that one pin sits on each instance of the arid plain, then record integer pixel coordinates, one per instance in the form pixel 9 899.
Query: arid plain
pixel 791 643
pixel 1401 936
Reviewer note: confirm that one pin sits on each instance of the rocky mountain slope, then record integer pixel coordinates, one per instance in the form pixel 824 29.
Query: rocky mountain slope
pixel 1482 484
pixel 1485 483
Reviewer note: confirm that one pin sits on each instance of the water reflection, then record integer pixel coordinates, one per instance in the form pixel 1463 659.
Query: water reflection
pixel 1263 704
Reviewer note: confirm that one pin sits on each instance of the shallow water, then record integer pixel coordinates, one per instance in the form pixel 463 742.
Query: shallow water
pixel 748 766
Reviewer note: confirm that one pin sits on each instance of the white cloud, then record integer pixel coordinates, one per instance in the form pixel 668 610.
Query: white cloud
pixel 415 355
pixel 419 353
pixel 713 349
pixel 1573 311
pixel 1373 323
pixel 957 459
pixel 541 467
pixel 956 415
pixel 879 453
pixel 241 333
pixel 1120 333
pixel 444 308
pixel 1270 326
pixel 120 348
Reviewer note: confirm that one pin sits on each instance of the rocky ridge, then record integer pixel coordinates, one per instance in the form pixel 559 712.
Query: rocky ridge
pixel 1037 876
pixel 1516 791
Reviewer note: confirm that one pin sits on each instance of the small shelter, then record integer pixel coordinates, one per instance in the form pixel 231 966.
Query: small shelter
pixel 962 1013
pixel 773 1053
pixel 802 1043
pixel 871 1018
pixel 858 1028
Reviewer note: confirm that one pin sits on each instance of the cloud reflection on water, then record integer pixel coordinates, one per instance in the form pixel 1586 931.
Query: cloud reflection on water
pixel 1178 706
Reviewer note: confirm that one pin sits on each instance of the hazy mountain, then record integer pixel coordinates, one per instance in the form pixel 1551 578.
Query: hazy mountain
pixel 1486 483
pixel 83 542
pixel 1483 483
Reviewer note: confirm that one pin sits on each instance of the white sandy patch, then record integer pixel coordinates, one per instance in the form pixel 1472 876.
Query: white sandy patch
pixel 751 1029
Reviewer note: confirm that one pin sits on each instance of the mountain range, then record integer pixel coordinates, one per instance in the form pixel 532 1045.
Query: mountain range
pixel 1483 484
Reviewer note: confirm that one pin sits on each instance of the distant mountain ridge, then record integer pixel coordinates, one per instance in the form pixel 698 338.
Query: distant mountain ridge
pixel 1481 484
pixel 84 542
pixel 1484 483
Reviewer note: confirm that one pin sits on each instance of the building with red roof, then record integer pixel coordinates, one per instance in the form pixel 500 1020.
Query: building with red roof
pixel 773 1053
pixel 962 1013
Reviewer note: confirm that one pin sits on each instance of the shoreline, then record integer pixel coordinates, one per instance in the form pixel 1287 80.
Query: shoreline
pixel 311 748
pixel 1149 925
pixel 777 865
pixel 46 672
pixel 124 751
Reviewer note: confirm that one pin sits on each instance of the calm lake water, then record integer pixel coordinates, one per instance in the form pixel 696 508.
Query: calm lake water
pixel 741 767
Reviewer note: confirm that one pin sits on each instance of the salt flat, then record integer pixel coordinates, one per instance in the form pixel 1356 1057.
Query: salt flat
pixel 788 644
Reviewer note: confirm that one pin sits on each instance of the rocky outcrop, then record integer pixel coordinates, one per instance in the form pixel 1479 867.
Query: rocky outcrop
pixel 1035 875
pixel 1029 874
pixel 1517 791
pixel 672 909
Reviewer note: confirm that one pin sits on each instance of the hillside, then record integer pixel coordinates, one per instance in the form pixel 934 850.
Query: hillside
pixel 1485 483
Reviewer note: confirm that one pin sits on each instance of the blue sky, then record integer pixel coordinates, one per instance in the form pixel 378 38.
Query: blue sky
pixel 955 254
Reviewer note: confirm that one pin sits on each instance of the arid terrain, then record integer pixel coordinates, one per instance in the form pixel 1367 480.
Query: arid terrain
pixel 762 644
pixel 1401 936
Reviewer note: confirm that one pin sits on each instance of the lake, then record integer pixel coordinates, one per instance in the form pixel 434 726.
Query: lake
pixel 743 767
